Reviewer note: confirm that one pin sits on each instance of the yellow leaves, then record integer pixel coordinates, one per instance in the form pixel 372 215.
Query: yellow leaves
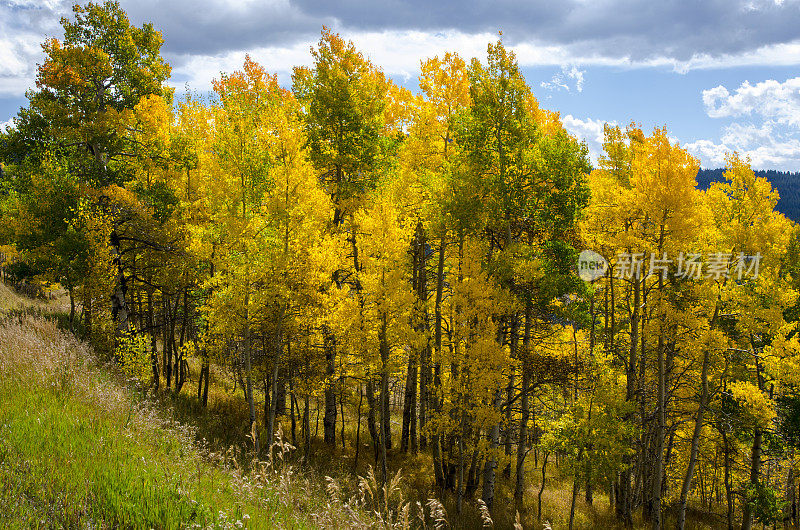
pixel 397 115
pixel 445 84
pixel 781 357
pixel 133 354
pixel 645 188
pixel 756 404
pixel 744 211
pixel 154 119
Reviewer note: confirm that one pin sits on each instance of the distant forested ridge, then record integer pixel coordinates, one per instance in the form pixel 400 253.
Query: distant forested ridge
pixel 786 182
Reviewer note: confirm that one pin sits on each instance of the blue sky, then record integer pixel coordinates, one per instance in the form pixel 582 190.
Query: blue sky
pixel 722 75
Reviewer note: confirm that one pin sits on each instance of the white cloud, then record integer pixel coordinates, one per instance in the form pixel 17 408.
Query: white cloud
pixel 5 125
pixel 18 59
pixel 711 155
pixel 767 129
pixel 769 99
pixel 24 25
pixel 589 130
pixel 198 71
pixel 205 36
pixel 769 146
pixel 562 79
pixel 399 52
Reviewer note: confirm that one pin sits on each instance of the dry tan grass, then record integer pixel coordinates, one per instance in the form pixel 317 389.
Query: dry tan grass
pixel 32 348
pixel 11 301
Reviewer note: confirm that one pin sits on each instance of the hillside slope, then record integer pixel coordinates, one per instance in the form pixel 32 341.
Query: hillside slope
pixel 81 447
pixel 77 449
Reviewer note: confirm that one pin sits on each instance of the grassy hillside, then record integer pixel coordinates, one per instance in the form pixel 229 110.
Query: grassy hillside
pixel 81 447
pixel 77 449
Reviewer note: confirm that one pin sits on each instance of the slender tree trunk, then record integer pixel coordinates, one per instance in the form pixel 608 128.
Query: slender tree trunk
pixel 358 428
pixel 153 342
pixel 575 490
pixel 205 386
pixel 519 486
pixel 173 317
pixel 461 464
pixel 409 405
pixel 267 382
pixel 204 373
pixel 489 471
pixel 624 501
pixel 541 486
pixel 408 437
pixel 698 427
pixel 755 455
pixel 306 428
pixel 248 368
pixel 200 381
pixel 280 396
pixel 329 420
pixel 755 469
pixel 507 430
pixel 180 376
pixel 119 306
pixel 372 425
pixel 425 353
pixel 385 419
pixel 790 497
pixel 165 346
pixel 273 406
pixel 294 407
pixel 71 292
pixel 341 412
pixel 727 478
pixel 435 440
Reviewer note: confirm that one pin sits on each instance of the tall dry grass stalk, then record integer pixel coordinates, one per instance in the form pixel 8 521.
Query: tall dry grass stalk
pixel 486 517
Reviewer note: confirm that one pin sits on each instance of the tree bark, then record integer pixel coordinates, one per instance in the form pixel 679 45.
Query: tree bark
pixel 153 342
pixel 519 486
pixel 385 437
pixel 119 306
pixel 755 455
pixel 329 420
pixel 490 468
pixel 541 486
pixel 248 368
pixel 435 439
pixel 372 425
pixel 698 427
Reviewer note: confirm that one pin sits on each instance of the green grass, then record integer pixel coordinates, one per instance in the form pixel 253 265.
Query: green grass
pixel 79 450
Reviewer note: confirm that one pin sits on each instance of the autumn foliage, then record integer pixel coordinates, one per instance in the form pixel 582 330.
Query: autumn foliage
pixel 348 249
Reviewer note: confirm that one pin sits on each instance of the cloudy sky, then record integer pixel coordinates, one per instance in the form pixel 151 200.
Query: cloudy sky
pixel 722 75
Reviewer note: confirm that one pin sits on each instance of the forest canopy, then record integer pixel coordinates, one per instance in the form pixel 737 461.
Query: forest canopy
pixel 349 248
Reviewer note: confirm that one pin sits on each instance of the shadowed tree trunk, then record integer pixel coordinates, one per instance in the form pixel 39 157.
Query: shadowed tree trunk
pixel 519 486
pixel 329 420
pixel 490 469
pixel 698 427
pixel 153 342
pixel 755 454
pixel 435 441
pixel 248 368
